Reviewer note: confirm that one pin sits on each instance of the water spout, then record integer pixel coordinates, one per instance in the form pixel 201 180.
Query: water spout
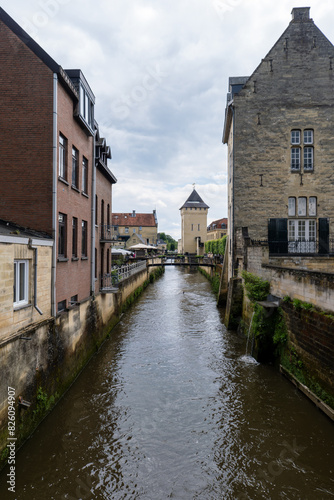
pixel 248 337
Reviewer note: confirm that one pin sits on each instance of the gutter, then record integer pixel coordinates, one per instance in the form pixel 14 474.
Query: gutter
pixel 92 260
pixel 54 196
pixel 232 228
pixel 30 245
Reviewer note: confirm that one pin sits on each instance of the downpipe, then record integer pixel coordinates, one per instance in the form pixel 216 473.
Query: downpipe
pixel 30 245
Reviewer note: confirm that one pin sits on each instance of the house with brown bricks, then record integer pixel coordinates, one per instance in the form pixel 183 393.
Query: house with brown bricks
pixel 279 131
pixel 55 177
pixel 132 228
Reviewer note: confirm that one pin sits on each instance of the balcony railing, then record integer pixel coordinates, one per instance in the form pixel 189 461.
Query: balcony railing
pixel 298 247
pixel 109 281
pixel 106 233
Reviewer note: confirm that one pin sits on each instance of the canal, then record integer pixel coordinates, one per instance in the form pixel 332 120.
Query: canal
pixel 171 407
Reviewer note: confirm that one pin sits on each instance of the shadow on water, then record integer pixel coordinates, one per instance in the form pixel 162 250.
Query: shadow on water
pixel 171 407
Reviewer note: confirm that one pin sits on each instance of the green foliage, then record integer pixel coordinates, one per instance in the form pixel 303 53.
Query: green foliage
pixel 280 336
pixel 215 280
pixel 171 243
pixel 256 288
pixel 43 403
pixel 216 247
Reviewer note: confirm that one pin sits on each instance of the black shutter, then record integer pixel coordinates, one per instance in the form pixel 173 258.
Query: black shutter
pixel 323 236
pixel 278 236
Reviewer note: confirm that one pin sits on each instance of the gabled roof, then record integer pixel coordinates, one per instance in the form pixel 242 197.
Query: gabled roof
pixel 133 219
pixel 194 201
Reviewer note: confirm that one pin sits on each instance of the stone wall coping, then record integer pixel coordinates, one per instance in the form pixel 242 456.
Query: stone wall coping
pixel 303 272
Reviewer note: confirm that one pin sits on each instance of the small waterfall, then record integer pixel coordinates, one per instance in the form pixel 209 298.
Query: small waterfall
pixel 248 338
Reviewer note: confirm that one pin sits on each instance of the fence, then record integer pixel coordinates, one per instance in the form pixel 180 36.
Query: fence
pixel 298 247
pixel 120 273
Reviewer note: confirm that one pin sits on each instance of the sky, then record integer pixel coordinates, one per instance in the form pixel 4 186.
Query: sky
pixel 159 71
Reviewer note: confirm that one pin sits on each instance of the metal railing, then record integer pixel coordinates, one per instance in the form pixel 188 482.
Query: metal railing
pixel 120 273
pixel 298 247
pixel 106 232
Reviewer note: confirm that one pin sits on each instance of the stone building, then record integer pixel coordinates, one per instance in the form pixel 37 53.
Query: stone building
pixel 132 228
pixel 48 162
pixel 217 229
pixel 279 128
pixel 194 213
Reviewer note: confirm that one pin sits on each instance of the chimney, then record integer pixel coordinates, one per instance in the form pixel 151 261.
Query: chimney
pixel 300 14
pixel 133 213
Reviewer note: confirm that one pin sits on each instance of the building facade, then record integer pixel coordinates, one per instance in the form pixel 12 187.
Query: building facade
pixel 217 229
pixel 48 160
pixel 194 214
pixel 132 228
pixel 279 131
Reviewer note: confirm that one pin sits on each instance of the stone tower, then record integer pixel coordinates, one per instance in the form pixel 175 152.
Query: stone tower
pixel 194 213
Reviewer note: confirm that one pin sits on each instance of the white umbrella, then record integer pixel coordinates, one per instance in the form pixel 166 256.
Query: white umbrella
pixel 120 251
pixel 141 246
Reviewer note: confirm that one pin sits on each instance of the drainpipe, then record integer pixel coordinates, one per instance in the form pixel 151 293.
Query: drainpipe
pixel 30 245
pixel 92 278
pixel 54 197
pixel 232 228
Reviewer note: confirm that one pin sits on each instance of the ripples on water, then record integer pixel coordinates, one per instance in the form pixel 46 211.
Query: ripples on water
pixel 172 408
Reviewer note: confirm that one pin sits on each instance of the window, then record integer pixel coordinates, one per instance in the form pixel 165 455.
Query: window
pixel 74 300
pixel 292 206
pixel 302 236
pixel 308 136
pixel 84 175
pixel 198 226
pixel 308 158
pixel 61 305
pixel 86 107
pixel 75 167
pixel 140 228
pixel 96 205
pixel 134 230
pixel 312 206
pixel 192 227
pixel 126 230
pixel 108 216
pixel 21 280
pixel 74 237
pixel 301 206
pixel 295 158
pixel 295 136
pixel 84 238
pixel 61 235
pixel 62 172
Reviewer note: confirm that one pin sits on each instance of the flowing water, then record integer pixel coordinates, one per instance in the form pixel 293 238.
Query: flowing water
pixel 171 408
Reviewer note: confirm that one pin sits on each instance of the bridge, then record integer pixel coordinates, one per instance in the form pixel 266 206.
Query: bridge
pixel 180 261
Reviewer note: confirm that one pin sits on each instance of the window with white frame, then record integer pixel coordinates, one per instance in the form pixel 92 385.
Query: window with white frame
pixel 84 175
pixel 312 206
pixel 75 167
pixel 302 150
pixel 302 206
pixel 21 282
pixel 292 206
pixel 62 157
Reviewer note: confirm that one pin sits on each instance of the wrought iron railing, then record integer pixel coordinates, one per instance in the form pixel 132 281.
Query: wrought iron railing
pixel 298 247
pixel 106 232
pixel 120 273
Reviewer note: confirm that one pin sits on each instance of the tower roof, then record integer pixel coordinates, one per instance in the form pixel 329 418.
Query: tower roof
pixel 194 201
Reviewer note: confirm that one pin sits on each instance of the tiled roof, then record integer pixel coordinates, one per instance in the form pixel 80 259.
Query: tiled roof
pixel 194 201
pixel 144 220
pixel 217 224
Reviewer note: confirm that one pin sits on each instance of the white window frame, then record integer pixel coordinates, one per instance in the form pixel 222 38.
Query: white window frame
pixel 302 206
pixel 308 158
pixel 302 236
pixel 295 136
pixel 312 206
pixel 21 291
pixel 292 206
pixel 295 159
pixel 308 136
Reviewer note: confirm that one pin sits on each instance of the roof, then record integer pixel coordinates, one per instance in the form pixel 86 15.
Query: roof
pixel 134 219
pixel 9 231
pixel 194 201
pixel 217 224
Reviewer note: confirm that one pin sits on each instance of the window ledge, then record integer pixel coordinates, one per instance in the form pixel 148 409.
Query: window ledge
pixel 23 306
pixel 74 259
pixel 84 258
pixel 62 259
pixel 64 181
pixel 75 188
pixel 84 194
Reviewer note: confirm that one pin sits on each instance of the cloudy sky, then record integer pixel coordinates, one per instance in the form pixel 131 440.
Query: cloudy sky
pixel 159 71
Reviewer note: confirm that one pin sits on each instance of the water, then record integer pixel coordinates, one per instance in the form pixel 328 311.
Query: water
pixel 172 408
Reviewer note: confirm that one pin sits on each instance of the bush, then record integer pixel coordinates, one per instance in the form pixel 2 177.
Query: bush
pixel 256 288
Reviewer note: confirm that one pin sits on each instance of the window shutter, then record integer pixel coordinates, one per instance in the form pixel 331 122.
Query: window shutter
pixel 278 236
pixel 323 236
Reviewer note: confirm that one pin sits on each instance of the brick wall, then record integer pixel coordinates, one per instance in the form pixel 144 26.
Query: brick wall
pixel 26 147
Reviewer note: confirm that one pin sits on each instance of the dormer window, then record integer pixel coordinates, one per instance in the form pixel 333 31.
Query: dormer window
pixel 86 107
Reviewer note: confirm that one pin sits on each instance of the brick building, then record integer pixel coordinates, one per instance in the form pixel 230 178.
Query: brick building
pixel 279 128
pixel 48 160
